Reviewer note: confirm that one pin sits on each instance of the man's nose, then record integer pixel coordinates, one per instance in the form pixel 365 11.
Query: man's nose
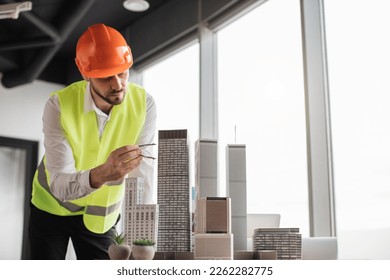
pixel 116 83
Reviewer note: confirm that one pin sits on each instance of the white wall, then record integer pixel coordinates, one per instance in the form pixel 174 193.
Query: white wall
pixel 21 111
pixel 21 117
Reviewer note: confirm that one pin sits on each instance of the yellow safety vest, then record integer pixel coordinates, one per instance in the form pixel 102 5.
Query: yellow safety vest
pixel 101 208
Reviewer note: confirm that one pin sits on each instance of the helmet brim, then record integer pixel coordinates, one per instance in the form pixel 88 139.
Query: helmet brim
pixel 108 72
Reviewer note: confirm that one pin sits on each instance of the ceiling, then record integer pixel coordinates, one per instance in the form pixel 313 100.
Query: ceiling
pixel 40 44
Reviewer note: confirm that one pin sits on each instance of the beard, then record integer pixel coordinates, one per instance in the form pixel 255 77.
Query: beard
pixel 112 97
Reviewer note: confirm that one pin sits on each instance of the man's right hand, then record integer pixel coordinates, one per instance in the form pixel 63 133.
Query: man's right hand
pixel 119 163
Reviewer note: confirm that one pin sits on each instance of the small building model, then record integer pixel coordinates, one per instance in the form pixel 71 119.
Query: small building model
pixel 213 246
pixel 287 242
pixel 213 238
pixel 213 215
pixel 140 220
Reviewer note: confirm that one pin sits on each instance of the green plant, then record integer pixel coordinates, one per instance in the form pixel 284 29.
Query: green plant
pixel 144 242
pixel 119 239
pixel 119 250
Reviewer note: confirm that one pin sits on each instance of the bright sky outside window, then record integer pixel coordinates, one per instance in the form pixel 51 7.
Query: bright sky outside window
pixel 261 104
pixel 358 66
pixel 174 84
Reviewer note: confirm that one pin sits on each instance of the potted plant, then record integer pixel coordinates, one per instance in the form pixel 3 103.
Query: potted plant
pixel 119 250
pixel 143 249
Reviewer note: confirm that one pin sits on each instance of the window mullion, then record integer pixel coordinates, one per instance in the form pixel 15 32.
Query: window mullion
pixel 320 173
pixel 208 104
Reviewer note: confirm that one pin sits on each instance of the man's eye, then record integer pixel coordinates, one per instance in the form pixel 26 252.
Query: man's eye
pixel 104 79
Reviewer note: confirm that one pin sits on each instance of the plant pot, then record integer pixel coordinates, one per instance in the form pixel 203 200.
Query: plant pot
pixel 119 252
pixel 143 252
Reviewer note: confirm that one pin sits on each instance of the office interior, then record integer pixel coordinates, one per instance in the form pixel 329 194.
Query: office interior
pixel 302 83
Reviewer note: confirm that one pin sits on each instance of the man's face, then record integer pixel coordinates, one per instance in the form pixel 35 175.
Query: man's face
pixel 111 89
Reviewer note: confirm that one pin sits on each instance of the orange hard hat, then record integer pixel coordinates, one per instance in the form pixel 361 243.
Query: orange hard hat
pixel 102 51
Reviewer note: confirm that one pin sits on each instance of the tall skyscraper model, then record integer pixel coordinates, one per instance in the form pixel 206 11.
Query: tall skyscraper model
pixel 173 192
pixel 236 190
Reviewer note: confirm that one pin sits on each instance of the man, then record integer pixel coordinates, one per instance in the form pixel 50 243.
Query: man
pixel 93 131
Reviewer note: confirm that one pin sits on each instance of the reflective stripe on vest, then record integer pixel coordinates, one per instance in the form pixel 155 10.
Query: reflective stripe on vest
pixel 92 210
pixel 102 211
pixel 42 179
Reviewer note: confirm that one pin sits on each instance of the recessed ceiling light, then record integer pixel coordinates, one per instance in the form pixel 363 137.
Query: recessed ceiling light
pixel 136 5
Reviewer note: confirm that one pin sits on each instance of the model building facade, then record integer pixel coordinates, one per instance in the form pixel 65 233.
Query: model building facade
pixel 287 242
pixel 213 215
pixel 214 246
pixel 213 238
pixel 141 220
pixel 206 167
pixel 236 190
pixel 173 192
pixel 134 191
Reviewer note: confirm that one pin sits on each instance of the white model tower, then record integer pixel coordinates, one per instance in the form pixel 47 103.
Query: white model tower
pixel 206 166
pixel 236 190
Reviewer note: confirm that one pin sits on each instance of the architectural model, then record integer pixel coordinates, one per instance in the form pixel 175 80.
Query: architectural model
pixel 236 190
pixel 213 215
pixel 206 168
pixel 141 220
pixel 217 246
pixel 213 238
pixel 287 242
pixel 173 192
pixel 220 231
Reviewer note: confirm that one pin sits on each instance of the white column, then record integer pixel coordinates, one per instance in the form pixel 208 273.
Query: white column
pixel 208 84
pixel 319 146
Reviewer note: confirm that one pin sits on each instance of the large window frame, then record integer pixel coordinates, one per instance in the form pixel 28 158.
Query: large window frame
pixel 320 169
pixel 30 148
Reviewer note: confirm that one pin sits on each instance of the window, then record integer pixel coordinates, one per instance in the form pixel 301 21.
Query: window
pixel 18 160
pixel 358 65
pixel 174 84
pixel 262 105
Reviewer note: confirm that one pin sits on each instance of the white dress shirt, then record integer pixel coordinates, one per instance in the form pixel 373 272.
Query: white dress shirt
pixel 68 184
